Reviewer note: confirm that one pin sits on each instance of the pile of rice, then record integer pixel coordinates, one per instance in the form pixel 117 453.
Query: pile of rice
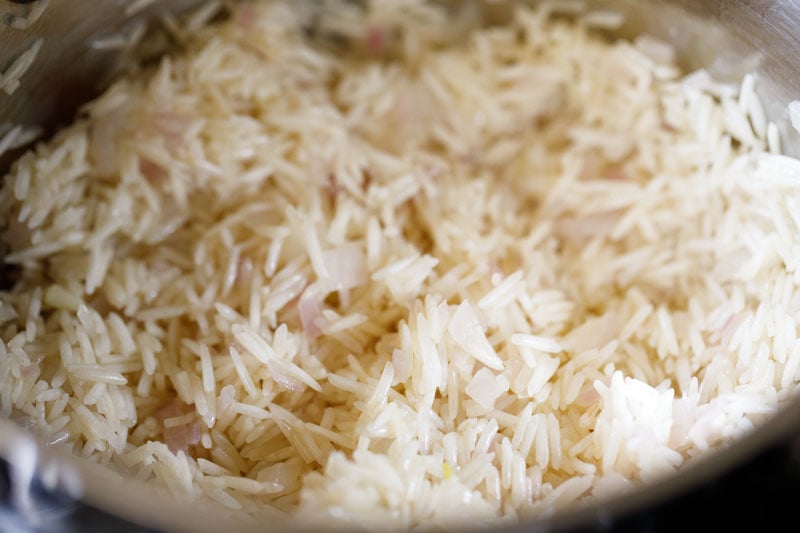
pixel 353 267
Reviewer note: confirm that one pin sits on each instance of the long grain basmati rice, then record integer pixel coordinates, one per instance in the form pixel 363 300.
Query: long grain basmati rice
pixel 373 266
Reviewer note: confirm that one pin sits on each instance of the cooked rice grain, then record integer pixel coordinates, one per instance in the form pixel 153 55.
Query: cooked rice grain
pixel 448 277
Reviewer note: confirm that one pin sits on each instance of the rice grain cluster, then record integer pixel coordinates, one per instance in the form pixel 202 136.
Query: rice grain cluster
pixel 389 265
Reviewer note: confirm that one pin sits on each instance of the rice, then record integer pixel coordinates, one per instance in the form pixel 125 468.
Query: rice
pixel 394 266
pixel 11 76
pixel 125 39
pixel 16 136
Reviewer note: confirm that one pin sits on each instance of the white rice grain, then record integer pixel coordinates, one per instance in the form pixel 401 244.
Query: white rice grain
pixel 10 78
pixel 400 286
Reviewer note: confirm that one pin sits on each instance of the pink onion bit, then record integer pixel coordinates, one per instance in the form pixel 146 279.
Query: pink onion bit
pixel 346 265
pixel 347 269
pixel 616 174
pixel 376 40
pixel 309 307
pixel 178 437
pixel 152 172
pixel 244 15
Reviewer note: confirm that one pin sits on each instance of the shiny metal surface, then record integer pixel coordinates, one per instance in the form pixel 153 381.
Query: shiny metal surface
pixel 68 70
pixel 729 38
pixel 733 38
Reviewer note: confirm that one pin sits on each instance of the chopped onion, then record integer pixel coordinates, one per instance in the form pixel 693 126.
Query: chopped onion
pixel 731 325
pixel 588 396
pixel 466 331
pixel 30 371
pixel 376 39
pixel 172 128
pixel 587 226
pixel 182 436
pixel 347 266
pixel 152 172
pixel 244 14
pixel 309 307
pixel 485 387
pixel 285 475
pixel 616 174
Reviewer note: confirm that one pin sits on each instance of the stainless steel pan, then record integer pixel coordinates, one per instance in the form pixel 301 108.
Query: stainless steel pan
pixel 728 38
